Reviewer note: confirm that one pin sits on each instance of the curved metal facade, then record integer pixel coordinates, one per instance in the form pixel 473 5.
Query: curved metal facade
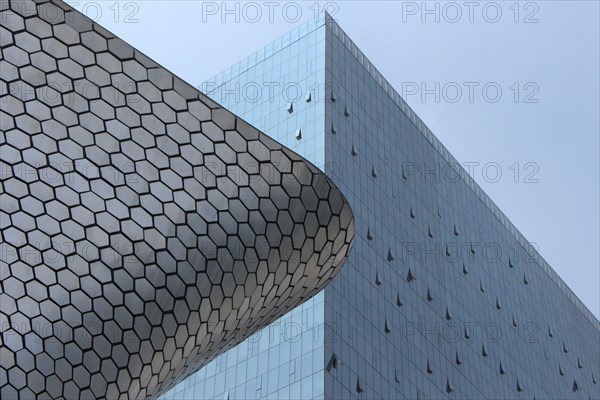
pixel 145 229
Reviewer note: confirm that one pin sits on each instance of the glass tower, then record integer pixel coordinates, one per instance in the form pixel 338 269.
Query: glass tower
pixel 441 297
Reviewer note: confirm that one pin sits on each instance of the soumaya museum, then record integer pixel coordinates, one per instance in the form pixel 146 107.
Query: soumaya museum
pixel 278 232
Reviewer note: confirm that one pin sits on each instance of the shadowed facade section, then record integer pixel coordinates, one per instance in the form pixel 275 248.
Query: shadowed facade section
pixel 145 229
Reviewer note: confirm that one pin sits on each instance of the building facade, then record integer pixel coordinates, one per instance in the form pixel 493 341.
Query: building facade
pixel 441 297
pixel 144 228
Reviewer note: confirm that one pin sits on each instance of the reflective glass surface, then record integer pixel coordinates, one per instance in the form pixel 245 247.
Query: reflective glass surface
pixel 441 297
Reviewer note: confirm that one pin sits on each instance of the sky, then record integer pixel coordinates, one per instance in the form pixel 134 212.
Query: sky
pixel 510 88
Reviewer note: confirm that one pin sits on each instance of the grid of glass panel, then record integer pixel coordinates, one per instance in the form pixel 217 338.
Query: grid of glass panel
pixel 441 296
pixel 439 299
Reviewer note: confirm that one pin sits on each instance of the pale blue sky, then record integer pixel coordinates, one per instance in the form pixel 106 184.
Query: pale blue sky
pixel 550 49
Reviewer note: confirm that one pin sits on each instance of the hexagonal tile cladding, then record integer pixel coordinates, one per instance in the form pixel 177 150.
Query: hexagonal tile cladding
pixel 144 228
